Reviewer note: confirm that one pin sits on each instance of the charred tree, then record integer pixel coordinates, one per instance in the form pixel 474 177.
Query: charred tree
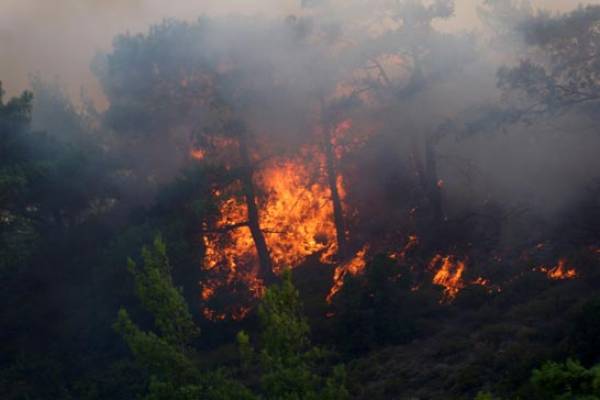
pixel 246 178
pixel 338 213
pixel 417 162
pixel 433 186
pixel 426 171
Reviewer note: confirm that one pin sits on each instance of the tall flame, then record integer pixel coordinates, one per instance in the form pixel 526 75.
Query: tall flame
pixel 296 217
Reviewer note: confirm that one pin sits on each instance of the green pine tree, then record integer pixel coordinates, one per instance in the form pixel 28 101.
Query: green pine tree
pixel 167 355
pixel 288 361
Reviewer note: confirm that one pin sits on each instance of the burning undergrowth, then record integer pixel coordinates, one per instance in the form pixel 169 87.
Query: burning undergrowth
pixel 328 160
pixel 298 222
pixel 296 218
pixel 302 220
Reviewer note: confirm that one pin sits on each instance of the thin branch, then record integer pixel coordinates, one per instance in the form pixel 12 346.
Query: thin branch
pixel 227 228
pixel 382 72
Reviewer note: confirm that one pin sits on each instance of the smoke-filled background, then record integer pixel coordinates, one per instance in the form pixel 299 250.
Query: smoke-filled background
pixel 57 41
pixel 427 170
pixel 59 38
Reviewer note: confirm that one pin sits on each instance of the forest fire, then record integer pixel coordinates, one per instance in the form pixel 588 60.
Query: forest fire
pixel 449 274
pixel 481 282
pixel 412 243
pixel 326 200
pixel 353 267
pixel 197 154
pixel 278 212
pixel 296 218
pixel 342 142
pixel 560 271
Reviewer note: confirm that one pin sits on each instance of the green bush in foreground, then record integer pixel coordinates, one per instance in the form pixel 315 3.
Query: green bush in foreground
pixel 288 366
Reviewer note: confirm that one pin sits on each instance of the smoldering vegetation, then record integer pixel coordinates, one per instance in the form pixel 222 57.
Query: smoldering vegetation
pixel 434 191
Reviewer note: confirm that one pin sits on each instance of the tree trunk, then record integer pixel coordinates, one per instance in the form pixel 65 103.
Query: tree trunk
pixel 433 186
pixel 338 213
pixel 264 257
pixel 417 163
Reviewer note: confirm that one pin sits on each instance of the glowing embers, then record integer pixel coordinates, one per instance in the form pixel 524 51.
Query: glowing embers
pixel 449 274
pixel 411 244
pixel 347 138
pixel 197 154
pixel 559 271
pixel 296 218
pixel 481 282
pixel 353 267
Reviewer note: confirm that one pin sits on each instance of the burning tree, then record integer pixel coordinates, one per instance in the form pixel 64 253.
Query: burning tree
pixel 335 188
pixel 274 125
pixel 279 196
pixel 405 61
pixel 196 98
pixel 232 133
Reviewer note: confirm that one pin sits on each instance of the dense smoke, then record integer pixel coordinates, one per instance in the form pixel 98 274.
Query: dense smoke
pixel 420 73
pixel 60 37
pixel 280 60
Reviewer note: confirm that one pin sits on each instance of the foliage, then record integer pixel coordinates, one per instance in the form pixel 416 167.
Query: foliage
pixel 17 229
pixel 167 356
pixel 568 380
pixel 585 335
pixel 284 330
pixel 153 352
pixel 561 71
pixel 245 349
pixel 484 396
pixel 288 363
pixel 154 288
pixel 377 307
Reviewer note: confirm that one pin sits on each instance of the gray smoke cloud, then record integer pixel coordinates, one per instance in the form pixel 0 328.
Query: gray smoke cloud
pixel 60 37
pixel 525 165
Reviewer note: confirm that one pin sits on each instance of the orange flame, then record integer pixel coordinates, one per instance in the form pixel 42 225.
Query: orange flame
pixel 449 274
pixel 481 282
pixel 560 271
pixel 197 154
pixel 353 267
pixel 346 140
pixel 296 217
pixel 413 242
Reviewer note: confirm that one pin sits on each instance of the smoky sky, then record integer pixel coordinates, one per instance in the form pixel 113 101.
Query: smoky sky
pixel 57 39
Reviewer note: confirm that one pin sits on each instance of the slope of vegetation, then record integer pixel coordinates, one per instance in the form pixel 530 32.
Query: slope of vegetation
pixel 356 207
